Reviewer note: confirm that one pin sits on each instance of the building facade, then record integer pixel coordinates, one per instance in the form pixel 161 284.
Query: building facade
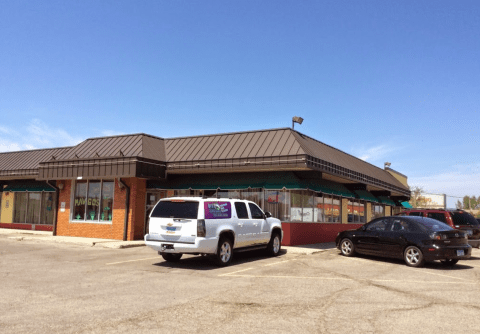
pixel 105 187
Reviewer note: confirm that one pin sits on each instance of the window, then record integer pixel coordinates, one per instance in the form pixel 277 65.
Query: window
pixel 180 209
pixel 463 218
pixel 20 207
pixel 255 211
pixel 416 213
pixel 379 225
pixel 356 212
pixel 275 202
pixel 34 207
pixel 377 211
pixel 93 201
pixel 333 210
pixel 241 209
pixel 437 215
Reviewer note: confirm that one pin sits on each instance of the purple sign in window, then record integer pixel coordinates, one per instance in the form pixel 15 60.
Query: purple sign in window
pixel 217 210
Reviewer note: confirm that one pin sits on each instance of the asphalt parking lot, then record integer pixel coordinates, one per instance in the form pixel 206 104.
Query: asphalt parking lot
pixel 49 287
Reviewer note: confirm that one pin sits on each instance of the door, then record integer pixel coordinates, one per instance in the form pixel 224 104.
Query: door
pixel 392 241
pixel 258 221
pixel 243 225
pixel 368 240
pixel 152 198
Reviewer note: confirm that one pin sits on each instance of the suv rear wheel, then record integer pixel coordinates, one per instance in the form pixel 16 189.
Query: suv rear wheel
pixel 171 257
pixel 224 254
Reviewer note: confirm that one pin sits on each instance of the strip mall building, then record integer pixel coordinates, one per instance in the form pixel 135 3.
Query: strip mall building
pixel 105 187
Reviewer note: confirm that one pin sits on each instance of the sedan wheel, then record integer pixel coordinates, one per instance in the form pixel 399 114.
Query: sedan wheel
pixel 347 247
pixel 413 257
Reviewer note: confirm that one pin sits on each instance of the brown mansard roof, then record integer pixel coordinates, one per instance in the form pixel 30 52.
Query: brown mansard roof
pixel 238 146
pixel 136 145
pixel 24 163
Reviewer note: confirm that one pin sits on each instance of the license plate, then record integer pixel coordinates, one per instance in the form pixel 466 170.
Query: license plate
pixel 469 232
pixel 170 228
pixel 460 252
pixel 166 246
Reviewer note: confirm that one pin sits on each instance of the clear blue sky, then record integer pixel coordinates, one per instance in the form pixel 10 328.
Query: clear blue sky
pixel 395 81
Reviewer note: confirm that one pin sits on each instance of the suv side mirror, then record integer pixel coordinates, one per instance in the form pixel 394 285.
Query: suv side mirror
pixel 267 214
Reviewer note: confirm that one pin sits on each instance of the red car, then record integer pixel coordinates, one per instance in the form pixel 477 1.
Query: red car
pixel 458 219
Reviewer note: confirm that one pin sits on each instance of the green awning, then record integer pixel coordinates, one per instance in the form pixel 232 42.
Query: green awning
pixel 330 188
pixel 286 180
pixel 366 196
pixel 269 181
pixel 406 205
pixel 386 200
pixel 28 187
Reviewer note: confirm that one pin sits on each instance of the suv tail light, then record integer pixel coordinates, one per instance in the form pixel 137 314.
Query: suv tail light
pixel 201 230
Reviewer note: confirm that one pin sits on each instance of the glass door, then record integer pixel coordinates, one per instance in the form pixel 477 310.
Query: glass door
pixel 153 196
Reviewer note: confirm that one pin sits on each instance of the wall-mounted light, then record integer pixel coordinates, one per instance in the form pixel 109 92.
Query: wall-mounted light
pixel 60 186
pixel 296 119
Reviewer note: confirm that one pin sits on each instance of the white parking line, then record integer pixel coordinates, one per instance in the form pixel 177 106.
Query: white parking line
pixel 344 279
pixel 238 271
pixel 275 263
pixel 150 258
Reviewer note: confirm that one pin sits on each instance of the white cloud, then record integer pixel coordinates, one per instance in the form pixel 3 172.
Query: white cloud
pixel 376 153
pixel 35 134
pixel 463 180
pixel 8 146
pixel 109 133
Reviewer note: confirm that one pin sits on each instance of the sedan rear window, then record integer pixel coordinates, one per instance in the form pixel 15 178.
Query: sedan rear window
pixel 463 218
pixel 433 225
pixel 171 209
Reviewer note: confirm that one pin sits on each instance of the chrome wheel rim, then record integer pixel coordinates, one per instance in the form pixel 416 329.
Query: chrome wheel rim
pixel 346 247
pixel 225 252
pixel 276 244
pixel 413 256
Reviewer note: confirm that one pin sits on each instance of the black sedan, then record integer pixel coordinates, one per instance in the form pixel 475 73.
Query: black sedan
pixel 414 239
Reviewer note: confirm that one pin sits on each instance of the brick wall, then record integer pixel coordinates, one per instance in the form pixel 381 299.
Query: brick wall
pixel 136 217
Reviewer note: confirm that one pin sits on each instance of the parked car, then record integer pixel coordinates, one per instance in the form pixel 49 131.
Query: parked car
pixel 413 239
pixel 457 219
pixel 196 225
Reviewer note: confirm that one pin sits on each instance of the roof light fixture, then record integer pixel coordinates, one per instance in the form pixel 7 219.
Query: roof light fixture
pixel 296 119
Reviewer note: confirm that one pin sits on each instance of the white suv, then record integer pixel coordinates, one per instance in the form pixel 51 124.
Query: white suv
pixel 196 225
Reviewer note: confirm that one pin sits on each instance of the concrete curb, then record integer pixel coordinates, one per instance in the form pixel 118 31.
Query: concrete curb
pixel 42 236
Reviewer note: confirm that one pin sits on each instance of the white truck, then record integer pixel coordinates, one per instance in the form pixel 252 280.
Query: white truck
pixel 214 226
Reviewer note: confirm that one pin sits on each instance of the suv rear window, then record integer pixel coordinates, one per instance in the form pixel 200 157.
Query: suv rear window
pixel 463 218
pixel 171 209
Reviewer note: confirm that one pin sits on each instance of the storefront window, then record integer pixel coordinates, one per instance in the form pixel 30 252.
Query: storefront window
pixel 20 208
pixel 93 200
pixel 106 205
pixel 254 195
pixel 319 208
pixel 33 207
pixel 356 212
pixel 377 211
pixel 80 200
pixel 333 209
pixel 48 208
